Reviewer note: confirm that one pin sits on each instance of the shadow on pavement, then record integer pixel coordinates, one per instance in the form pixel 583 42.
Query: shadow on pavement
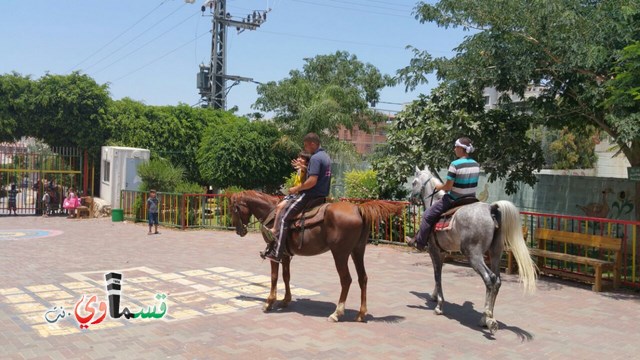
pixel 466 315
pixel 308 307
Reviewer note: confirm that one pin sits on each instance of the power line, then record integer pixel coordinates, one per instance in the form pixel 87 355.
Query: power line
pixel 394 4
pixel 161 57
pixel 135 38
pixel 119 35
pixel 333 40
pixel 346 41
pixel 352 9
pixel 371 6
pixel 145 44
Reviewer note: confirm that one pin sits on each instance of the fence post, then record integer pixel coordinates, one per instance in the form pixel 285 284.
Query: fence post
pixel 183 215
pixel 85 174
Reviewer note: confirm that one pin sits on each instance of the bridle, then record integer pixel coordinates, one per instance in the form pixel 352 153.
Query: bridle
pixel 424 185
pixel 236 211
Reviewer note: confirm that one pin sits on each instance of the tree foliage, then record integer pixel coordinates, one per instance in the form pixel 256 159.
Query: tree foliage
pixel 361 184
pixel 171 132
pixel 62 110
pixel 330 91
pixel 623 100
pixel 424 134
pixel 568 47
pixel 160 175
pixel 236 152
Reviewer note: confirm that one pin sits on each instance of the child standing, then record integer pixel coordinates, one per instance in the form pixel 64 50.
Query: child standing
pixel 13 194
pixel 46 199
pixel 152 210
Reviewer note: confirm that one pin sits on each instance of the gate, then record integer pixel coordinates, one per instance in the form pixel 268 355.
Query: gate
pixel 29 169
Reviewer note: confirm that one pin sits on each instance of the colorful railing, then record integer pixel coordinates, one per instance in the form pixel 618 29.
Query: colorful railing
pixel 626 231
pixel 187 211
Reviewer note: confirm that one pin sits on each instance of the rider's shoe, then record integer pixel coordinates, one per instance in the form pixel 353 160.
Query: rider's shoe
pixel 273 258
pixel 412 243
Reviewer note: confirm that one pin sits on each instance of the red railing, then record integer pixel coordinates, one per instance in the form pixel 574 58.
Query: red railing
pixel 624 230
pixel 212 211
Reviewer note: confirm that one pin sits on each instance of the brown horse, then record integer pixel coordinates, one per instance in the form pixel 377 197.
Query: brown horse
pixel 344 232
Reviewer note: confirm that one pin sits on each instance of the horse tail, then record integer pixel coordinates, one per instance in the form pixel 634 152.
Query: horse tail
pixel 511 232
pixel 378 209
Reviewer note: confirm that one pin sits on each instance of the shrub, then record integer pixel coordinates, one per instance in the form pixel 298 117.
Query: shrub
pixel 160 174
pixel 361 184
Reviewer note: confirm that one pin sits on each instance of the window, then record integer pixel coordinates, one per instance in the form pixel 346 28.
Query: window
pixel 487 100
pixel 106 170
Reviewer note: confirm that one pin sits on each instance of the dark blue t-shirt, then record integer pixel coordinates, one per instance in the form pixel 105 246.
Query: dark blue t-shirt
pixel 320 166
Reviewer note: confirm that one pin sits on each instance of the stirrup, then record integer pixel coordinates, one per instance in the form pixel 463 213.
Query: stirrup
pixel 412 243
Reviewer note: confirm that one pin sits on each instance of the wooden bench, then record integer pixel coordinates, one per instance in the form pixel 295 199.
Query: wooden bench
pixel 607 244
pixel 86 209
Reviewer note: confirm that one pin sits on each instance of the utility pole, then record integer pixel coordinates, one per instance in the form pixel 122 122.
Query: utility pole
pixel 212 78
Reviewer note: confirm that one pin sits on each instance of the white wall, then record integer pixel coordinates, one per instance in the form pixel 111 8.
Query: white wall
pixel 608 164
pixel 116 157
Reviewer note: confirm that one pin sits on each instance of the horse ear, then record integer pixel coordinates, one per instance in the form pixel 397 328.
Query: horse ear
pixel 426 168
pixel 417 169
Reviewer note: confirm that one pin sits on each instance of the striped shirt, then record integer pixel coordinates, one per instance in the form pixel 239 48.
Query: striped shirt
pixel 464 173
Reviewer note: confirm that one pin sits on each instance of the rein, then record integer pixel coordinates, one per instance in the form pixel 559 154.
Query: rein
pixel 246 226
pixel 428 197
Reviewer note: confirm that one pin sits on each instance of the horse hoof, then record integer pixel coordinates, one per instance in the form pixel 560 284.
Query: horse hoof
pixel 267 307
pixel 283 304
pixel 333 318
pixel 492 325
pixel 360 318
pixel 438 311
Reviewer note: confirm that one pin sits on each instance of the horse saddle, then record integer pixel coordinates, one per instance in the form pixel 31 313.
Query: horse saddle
pixel 312 214
pixel 445 221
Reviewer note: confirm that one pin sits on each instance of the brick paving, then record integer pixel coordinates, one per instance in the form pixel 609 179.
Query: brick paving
pixel 216 284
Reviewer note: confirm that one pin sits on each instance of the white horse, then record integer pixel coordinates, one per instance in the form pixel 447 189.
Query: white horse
pixel 477 229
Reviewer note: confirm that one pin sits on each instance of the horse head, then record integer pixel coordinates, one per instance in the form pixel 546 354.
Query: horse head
pixel 423 186
pixel 240 214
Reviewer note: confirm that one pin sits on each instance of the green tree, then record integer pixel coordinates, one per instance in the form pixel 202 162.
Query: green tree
pixel 62 110
pixel 236 152
pixel 15 94
pixel 623 90
pixel 170 132
pixel 568 47
pixel 161 175
pixel 424 132
pixel 330 91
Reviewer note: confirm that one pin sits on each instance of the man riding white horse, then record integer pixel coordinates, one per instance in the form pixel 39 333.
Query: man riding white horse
pixel 462 182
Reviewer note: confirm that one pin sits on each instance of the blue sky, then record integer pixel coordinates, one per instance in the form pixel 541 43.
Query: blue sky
pixel 149 50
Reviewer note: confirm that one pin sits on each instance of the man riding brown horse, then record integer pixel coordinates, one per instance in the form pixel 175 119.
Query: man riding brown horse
pixel 312 191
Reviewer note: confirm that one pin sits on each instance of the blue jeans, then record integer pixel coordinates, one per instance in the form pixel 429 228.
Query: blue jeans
pixel 430 217
pixel 153 219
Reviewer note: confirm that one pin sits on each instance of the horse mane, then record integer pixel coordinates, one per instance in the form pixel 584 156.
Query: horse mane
pixel 256 195
pixel 374 210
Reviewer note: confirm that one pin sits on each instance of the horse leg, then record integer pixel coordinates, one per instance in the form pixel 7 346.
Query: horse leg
pixel 358 260
pixel 490 321
pixel 437 295
pixel 274 286
pixel 286 276
pixel 342 266
pixel 490 280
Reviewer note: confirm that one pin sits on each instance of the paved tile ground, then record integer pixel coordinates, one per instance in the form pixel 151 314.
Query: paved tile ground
pixel 216 284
